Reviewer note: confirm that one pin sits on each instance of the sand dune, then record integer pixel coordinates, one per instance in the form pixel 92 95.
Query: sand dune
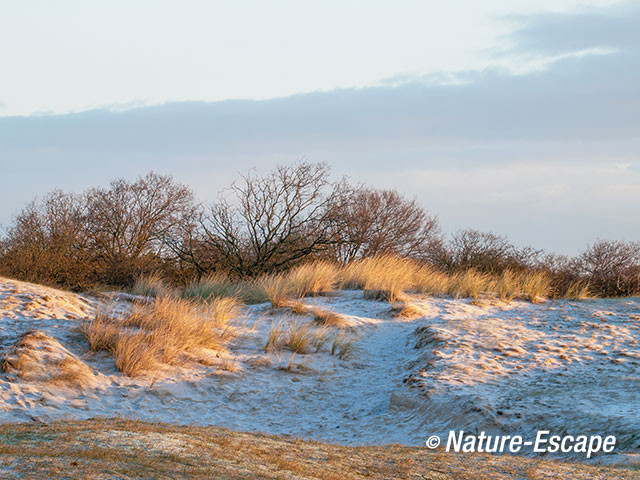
pixel 467 365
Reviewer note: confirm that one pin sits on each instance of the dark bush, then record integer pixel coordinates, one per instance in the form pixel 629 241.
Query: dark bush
pixel 612 267
pixel 369 221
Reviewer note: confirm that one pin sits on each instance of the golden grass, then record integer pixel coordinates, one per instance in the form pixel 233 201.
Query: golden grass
pixel 277 289
pixel 384 277
pixel 299 337
pixel 469 284
pixel 102 331
pixel 407 310
pixel 152 285
pixel 342 345
pixel 328 318
pixel 536 286
pixel 275 339
pixel 507 285
pixel 577 290
pixel 160 331
pixel 225 309
pixel 136 353
pixel 430 281
pixel 315 278
pixel 218 285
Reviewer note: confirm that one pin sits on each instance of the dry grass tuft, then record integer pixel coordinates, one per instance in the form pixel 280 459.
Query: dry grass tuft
pixel 469 284
pixel 328 318
pixel 507 285
pixel 225 309
pixel 277 289
pixel 38 357
pixel 536 286
pixel 430 281
pixel 384 277
pixel 317 278
pixel 160 332
pixel 275 339
pixel 342 345
pixel 218 285
pixel 577 291
pixel 136 353
pixel 152 285
pixel 299 337
pixel 407 310
pixel 102 332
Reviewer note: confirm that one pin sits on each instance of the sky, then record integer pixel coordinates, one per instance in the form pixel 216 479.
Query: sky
pixel 517 117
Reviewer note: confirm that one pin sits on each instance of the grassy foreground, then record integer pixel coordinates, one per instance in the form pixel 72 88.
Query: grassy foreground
pixel 119 449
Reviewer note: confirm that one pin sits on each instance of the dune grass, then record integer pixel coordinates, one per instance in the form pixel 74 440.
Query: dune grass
pixel 384 277
pixel 535 286
pixel 152 285
pixel 577 290
pixel 159 332
pixel 297 337
pixel 317 278
pixel 218 285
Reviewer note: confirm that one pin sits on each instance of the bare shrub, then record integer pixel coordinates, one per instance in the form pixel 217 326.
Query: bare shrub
pixel 486 252
pixel 371 222
pixel 611 267
pixel 46 242
pixel 107 235
pixel 272 222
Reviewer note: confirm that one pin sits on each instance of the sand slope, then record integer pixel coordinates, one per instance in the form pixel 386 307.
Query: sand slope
pixel 504 368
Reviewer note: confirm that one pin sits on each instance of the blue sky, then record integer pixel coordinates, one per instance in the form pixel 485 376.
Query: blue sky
pixel 521 118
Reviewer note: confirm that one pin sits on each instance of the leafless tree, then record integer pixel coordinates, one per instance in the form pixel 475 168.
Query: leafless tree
pixel 46 241
pixel 487 252
pixel 269 223
pixel 129 224
pixel 369 221
pixel 612 267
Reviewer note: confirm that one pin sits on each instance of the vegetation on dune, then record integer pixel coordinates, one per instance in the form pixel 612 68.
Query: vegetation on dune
pixel 287 234
pixel 160 331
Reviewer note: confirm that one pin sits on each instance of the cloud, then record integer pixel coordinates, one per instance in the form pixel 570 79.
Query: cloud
pixel 579 111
